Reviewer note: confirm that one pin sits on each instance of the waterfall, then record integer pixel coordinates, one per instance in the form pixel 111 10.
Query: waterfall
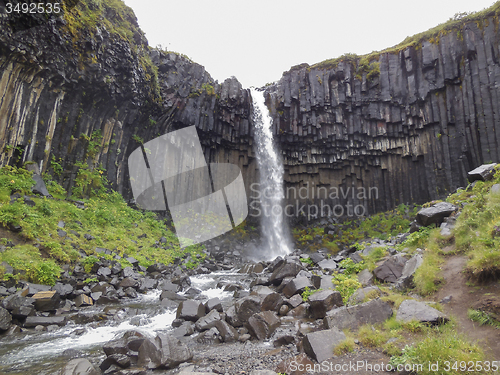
pixel 275 241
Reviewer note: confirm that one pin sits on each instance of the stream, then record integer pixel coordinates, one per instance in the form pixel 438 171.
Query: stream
pixel 42 353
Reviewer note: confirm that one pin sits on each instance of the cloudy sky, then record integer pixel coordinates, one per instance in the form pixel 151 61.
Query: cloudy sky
pixel 257 40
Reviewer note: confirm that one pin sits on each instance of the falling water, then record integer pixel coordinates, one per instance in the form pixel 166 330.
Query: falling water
pixel 274 240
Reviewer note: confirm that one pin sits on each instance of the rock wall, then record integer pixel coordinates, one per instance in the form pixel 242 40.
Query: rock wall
pixel 412 130
pixel 404 131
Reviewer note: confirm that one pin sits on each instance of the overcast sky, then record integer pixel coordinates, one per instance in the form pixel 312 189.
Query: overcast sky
pixel 257 40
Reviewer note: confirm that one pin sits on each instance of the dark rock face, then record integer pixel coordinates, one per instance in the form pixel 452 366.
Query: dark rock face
pixel 412 130
pixel 5 319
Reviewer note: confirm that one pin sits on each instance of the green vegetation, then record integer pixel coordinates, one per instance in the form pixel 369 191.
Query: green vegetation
pixel 347 283
pixel 476 231
pixel 107 218
pixel 119 20
pixel 382 225
pixel 482 318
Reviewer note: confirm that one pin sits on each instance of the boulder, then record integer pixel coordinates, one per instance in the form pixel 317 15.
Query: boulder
pixel 316 257
pixel 165 351
pixel 226 331
pixel 365 277
pixel 79 366
pixel 484 172
pixel 246 307
pixel 391 270
pixel 47 300
pixel 297 286
pixel 186 329
pixel 323 301
pixel 83 300
pixel 320 345
pixel 369 292
pixel 168 286
pixel 32 289
pixel 420 311
pixel 328 264
pixel 272 302
pixel 129 341
pixel 411 266
pixel 252 268
pixel 33 321
pixel 288 269
pixel 64 290
pixel 435 214
pixel 5 319
pixel 208 321
pixel 190 310
pixel 371 312
pixel 171 296
pixel 263 324
pixel 292 365
pixel 119 360
pixel 213 304
pixel 39 187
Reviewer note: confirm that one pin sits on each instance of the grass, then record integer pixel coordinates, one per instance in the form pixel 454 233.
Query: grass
pixel 482 318
pixel 382 225
pixel 113 224
pixel 476 229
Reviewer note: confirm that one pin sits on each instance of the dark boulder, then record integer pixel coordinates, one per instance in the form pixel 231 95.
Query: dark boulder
pixel 391 270
pixel 5 319
pixel 263 324
pixel 190 310
pixel 371 312
pixel 484 172
pixel 435 214
pixel 323 301
pixel 297 286
pixel 320 345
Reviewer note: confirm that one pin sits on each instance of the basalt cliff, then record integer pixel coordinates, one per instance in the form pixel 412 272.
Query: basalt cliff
pixel 410 121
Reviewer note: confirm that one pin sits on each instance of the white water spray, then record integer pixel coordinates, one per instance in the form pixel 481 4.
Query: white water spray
pixel 274 239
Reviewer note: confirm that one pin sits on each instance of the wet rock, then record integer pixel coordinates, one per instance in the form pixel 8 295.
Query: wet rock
pixel 232 317
pixel 79 366
pixel 186 329
pixel 226 331
pixel 147 284
pixel 371 312
pixel 130 292
pixel 263 324
pixel 300 311
pixel 411 266
pixel 47 300
pixel 5 319
pixel 435 214
pixel 391 270
pixel 33 321
pixel 288 269
pixel 484 172
pixel 297 286
pixel 168 286
pixel 128 282
pixel 272 302
pixel 320 345
pixel 251 268
pixel 209 337
pixel 172 296
pixel 284 309
pixel 208 321
pixel 190 310
pixel 295 301
pixel 323 301
pixel 129 341
pixel 420 311
pixel 213 304
pixel 246 307
pixel 165 351
pixel 261 290
pixel 83 300
pixel 119 360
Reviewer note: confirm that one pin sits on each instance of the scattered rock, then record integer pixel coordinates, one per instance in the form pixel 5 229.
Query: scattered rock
pixel 320 345
pixel 420 311
pixel 435 214
pixel 323 301
pixel 263 324
pixel 371 312
pixel 190 310
pixel 79 366
pixel 5 319
pixel 411 266
pixel 484 172
pixel 391 270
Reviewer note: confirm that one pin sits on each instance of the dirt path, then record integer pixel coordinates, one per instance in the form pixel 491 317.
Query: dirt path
pixel 463 298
